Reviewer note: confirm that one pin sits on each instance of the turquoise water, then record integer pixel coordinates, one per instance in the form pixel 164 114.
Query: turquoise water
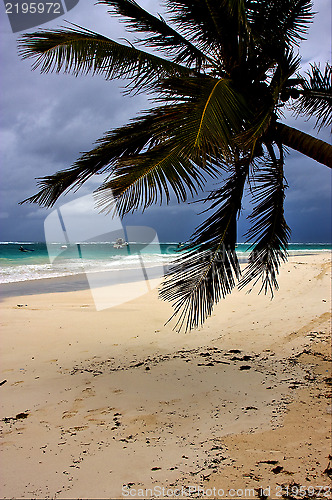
pixel 16 266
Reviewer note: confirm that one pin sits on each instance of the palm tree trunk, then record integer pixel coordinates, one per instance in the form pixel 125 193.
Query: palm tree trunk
pixel 304 143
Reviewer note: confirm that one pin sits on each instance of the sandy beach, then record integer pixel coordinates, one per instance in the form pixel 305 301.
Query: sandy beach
pixel 113 404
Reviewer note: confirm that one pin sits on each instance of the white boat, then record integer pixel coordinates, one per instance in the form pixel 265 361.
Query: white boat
pixel 120 243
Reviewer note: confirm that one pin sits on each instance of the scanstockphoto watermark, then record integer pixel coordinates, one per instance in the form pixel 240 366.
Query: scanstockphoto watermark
pixel 123 253
pixel 192 491
pixel 23 15
pixel 196 491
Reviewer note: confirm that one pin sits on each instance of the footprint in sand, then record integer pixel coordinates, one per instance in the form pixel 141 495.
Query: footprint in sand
pixel 69 414
pixel 73 430
pixel 101 411
pixel 87 393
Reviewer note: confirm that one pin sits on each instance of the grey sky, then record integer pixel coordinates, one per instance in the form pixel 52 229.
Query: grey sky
pixel 47 120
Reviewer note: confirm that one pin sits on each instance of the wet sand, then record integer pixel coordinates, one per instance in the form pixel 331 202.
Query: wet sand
pixel 113 404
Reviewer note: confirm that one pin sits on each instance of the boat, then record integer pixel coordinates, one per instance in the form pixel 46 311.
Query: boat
pixel 120 243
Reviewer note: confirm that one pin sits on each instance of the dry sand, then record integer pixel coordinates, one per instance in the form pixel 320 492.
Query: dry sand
pixel 113 404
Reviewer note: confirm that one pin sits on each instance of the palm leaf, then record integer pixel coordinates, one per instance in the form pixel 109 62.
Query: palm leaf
pixel 269 232
pixel 287 65
pixel 218 27
pixel 197 139
pixel 275 25
pixel 215 113
pixel 222 117
pixel 141 133
pixel 194 18
pixel 151 177
pixel 266 100
pixel 80 51
pixel 209 267
pixel 162 35
pixel 316 96
pixel 118 153
pixel 53 186
pixel 126 140
pixel 200 126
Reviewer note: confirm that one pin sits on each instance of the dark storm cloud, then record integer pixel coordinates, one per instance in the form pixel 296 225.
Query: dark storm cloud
pixel 47 120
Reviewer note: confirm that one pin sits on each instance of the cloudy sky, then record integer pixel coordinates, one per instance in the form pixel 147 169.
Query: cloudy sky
pixel 47 120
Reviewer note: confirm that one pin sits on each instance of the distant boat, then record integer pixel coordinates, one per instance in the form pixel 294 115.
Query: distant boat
pixel 64 246
pixel 181 244
pixel 120 243
pixel 21 249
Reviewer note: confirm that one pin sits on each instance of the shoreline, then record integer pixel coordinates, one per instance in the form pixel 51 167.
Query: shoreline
pixel 98 404
pixel 71 283
pixel 79 282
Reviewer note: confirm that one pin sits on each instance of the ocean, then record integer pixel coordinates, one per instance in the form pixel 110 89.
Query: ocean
pixel 34 264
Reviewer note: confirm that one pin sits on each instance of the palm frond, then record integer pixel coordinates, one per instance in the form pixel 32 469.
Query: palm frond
pixel 147 160
pixel 257 129
pixel 200 126
pixel 217 26
pixel 266 99
pixel 217 113
pixel 143 132
pixel 126 140
pixel 80 51
pixel 195 20
pixel 316 96
pixel 197 138
pixel 208 269
pixel 296 20
pixel 162 36
pixel 269 232
pixel 142 180
pixel 53 186
pixel 286 67
pixel 275 25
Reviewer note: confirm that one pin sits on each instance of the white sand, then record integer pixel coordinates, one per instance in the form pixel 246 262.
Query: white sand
pixel 114 398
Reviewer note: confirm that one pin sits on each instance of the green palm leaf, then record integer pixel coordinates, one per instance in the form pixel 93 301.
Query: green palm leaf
pixel 286 67
pixel 53 186
pixel 215 114
pixel 194 18
pixel 198 137
pixel 222 117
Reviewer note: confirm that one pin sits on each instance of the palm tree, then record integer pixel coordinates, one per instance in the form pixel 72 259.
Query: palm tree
pixel 219 73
